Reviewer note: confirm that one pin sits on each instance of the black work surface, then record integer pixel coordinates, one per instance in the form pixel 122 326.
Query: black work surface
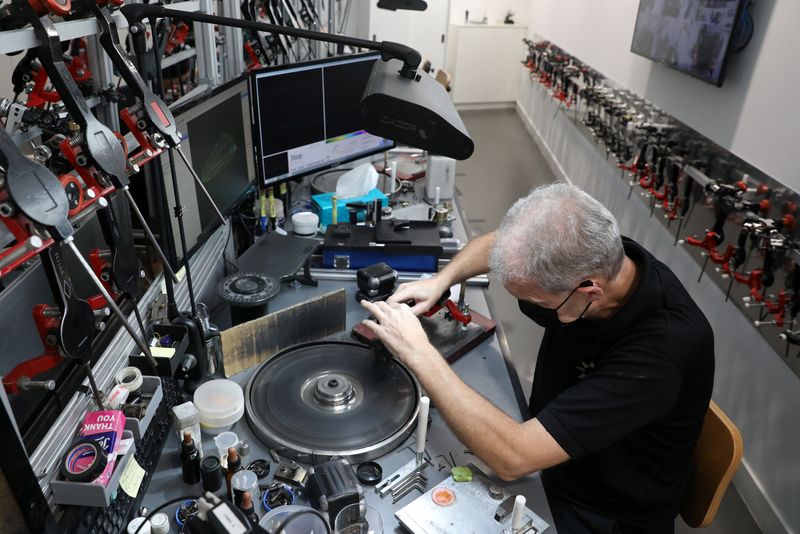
pixel 277 255
pixel 484 369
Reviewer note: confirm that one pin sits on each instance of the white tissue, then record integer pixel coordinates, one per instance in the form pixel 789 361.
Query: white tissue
pixel 357 182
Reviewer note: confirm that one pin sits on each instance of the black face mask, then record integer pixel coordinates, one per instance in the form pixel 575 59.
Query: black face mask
pixel 548 317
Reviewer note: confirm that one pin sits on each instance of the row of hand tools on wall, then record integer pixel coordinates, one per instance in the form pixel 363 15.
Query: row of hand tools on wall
pixel 78 166
pixel 741 220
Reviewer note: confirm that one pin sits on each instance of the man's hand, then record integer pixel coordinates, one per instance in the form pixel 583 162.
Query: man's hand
pixel 424 293
pixel 399 329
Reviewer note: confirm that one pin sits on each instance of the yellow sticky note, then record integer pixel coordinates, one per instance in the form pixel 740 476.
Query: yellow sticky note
pixel 179 275
pixel 131 478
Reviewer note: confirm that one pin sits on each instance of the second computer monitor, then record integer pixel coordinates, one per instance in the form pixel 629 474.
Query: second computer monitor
pixel 307 117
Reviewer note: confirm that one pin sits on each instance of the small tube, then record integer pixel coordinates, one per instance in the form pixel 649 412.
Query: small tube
pixel 516 514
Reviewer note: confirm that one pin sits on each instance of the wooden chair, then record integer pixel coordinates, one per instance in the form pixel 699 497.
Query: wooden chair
pixel 716 457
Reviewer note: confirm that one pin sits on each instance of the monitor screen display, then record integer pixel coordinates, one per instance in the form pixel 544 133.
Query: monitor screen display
pixel 692 36
pixel 307 117
pixel 216 138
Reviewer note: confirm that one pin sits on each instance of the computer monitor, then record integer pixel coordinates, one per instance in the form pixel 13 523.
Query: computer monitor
pixel 216 138
pixel 307 117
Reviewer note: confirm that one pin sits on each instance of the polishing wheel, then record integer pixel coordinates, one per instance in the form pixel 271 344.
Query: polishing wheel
pixel 318 400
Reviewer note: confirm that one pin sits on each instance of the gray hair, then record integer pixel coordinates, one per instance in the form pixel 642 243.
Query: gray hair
pixel 556 237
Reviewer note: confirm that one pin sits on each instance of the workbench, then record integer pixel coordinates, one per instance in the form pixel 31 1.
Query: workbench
pixel 484 369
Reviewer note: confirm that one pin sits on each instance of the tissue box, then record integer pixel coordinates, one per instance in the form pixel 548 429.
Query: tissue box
pixel 323 205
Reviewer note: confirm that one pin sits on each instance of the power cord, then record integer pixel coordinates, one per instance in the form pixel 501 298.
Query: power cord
pixel 744 30
pixel 225 252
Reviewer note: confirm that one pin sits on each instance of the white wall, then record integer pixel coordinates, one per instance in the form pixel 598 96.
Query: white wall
pixel 756 114
pixel 494 10
pixel 7 64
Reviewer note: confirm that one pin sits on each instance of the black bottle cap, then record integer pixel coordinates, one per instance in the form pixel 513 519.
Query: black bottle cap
pixel 369 473
pixel 210 473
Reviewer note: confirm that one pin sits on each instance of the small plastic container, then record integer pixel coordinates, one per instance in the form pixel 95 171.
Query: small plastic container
pixel 220 403
pixel 151 385
pixel 224 441
pixel 245 481
pixel 358 519
pixel 305 223
pixel 187 418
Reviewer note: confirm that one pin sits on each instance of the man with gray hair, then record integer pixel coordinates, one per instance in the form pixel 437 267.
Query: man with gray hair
pixel 623 377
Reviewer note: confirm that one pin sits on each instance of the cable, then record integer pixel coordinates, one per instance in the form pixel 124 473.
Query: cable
pixel 282 526
pixel 225 252
pixel 161 507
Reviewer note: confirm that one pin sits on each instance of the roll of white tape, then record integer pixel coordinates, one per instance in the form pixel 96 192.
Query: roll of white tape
pixel 129 378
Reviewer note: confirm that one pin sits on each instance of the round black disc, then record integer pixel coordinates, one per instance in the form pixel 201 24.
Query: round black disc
pixel 369 473
pixel 319 400
pixel 248 289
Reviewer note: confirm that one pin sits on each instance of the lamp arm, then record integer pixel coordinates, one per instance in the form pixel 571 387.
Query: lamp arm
pixel 135 13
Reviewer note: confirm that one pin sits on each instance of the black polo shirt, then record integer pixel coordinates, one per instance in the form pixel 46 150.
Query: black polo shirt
pixel 626 398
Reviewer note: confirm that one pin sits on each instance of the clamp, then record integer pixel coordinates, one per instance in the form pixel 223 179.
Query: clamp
pixel 776 308
pixel 95 149
pixel 150 120
pixel 32 193
pixel 457 311
pixel 709 245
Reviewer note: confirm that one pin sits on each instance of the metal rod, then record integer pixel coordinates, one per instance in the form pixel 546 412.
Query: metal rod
pixel 182 232
pixel 462 294
pixel 33 243
pixel 150 236
pixel 199 182
pixel 402 277
pixel 331 24
pixel 70 242
pixel 138 12
pixel 95 391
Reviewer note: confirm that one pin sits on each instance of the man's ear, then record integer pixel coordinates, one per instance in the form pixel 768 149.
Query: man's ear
pixel 591 290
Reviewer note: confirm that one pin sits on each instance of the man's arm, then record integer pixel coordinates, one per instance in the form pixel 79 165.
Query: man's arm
pixel 471 261
pixel 508 448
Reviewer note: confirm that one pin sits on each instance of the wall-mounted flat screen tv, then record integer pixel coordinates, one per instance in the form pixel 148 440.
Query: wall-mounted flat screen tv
pixel 692 36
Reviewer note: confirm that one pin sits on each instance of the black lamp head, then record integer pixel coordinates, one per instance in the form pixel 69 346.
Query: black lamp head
pixel 412 5
pixel 415 111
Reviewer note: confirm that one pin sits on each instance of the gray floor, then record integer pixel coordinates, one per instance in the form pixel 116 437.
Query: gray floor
pixel 505 166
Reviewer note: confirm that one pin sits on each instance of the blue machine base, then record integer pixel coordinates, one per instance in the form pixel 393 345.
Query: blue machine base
pixel 363 258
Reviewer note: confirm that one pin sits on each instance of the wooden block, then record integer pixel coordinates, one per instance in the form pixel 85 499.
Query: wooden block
pixel 444 334
pixel 256 341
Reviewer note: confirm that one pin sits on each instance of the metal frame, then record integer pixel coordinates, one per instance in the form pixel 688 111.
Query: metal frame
pixel 232 55
pixel 215 64
pixel 49 452
pixel 205 42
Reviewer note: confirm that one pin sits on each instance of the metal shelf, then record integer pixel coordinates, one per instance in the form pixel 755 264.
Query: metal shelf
pixel 25 38
pixel 177 58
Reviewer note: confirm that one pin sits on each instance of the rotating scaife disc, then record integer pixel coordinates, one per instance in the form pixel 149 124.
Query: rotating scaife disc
pixel 318 400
